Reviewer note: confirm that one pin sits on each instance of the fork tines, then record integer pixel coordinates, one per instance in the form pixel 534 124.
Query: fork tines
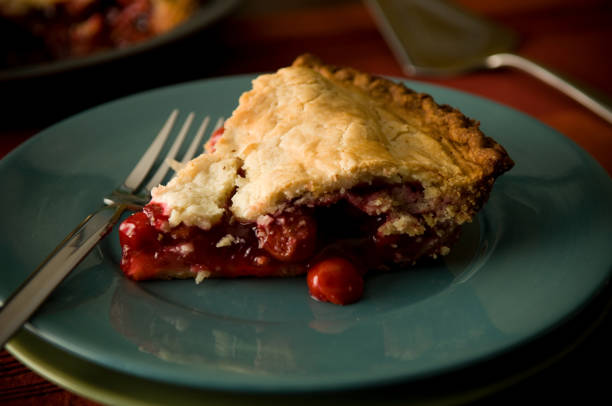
pixel 142 169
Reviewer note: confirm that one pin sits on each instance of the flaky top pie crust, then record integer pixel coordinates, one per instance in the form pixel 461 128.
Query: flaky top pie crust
pixel 311 130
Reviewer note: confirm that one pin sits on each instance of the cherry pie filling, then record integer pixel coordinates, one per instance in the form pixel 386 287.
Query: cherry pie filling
pixel 335 240
pixel 47 30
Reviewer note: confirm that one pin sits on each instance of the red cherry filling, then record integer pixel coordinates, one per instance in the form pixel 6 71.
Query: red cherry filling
pixel 136 232
pixel 339 233
pixel 136 236
pixel 335 280
pixel 288 237
pixel 156 216
pixel 214 138
pixel 230 249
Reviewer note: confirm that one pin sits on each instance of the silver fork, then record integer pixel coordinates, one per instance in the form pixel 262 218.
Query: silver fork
pixel 26 299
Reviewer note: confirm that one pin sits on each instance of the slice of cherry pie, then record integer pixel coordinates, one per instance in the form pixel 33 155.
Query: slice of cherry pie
pixel 319 170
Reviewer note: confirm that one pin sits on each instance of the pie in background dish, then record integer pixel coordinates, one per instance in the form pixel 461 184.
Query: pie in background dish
pixel 42 30
pixel 320 170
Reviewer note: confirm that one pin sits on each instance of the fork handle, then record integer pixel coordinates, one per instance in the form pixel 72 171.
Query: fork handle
pixel 570 88
pixel 20 306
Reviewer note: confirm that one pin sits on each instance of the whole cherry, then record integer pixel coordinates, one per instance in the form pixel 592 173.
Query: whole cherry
pixel 335 280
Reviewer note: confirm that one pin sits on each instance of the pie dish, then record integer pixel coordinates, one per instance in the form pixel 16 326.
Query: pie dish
pixel 45 30
pixel 320 170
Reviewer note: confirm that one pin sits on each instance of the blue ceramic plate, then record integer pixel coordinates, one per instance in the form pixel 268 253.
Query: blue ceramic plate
pixel 534 257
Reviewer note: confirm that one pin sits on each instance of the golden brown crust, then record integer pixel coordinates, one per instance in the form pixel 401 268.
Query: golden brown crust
pixel 445 120
pixel 311 130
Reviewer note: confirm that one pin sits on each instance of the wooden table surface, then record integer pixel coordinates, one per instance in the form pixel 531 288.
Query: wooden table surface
pixel 572 37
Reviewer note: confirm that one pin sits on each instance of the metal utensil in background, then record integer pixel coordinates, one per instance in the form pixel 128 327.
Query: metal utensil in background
pixel 436 38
